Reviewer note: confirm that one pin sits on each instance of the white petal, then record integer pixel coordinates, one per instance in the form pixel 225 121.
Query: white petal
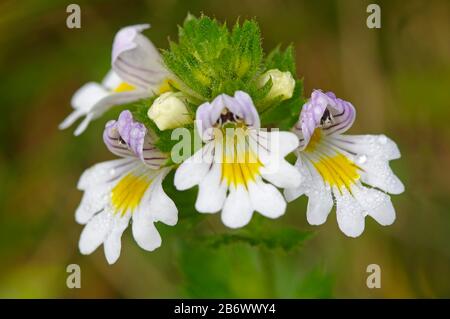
pixel 279 143
pixel 88 95
pixel 112 80
pixel 113 244
pixel 237 210
pixel 379 146
pixel 95 232
pixel 83 125
pixel 84 99
pixel 377 173
pixel 145 233
pixel 160 207
pixel 281 174
pixel 266 199
pixel 97 182
pixel 211 191
pixel 135 59
pixel 377 204
pixel 292 194
pixel 92 100
pixel 93 201
pixel 349 213
pixel 319 207
pixel 194 169
pixel 305 181
pixel 106 171
pixel 70 119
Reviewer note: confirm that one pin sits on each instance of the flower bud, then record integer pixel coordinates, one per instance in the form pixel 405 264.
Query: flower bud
pixel 283 84
pixel 168 111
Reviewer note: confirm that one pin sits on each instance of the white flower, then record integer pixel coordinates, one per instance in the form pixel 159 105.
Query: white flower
pixel 120 190
pixel 283 84
pixel 231 166
pixel 137 72
pixel 336 166
pixel 168 111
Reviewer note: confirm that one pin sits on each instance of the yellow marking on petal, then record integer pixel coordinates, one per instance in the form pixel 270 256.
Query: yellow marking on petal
pixel 241 168
pixel 128 193
pixel 166 86
pixel 337 170
pixel 314 141
pixel 124 87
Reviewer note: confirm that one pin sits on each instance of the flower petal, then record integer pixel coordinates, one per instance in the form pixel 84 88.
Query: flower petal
pixel 349 213
pixel 160 206
pixel 378 146
pixel 338 119
pixel 192 171
pixel 377 204
pixel 83 100
pixel 97 182
pixel 237 210
pixel 135 59
pixel 377 173
pixel 319 207
pixel 240 105
pixel 266 199
pixel 104 172
pixel 212 191
pixel 305 182
pixel 145 232
pixel 113 244
pixel 95 232
pixel 281 173
pixel 92 100
pixel 279 143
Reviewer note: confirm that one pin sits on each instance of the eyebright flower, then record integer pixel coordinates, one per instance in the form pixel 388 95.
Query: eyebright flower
pixel 283 84
pixel 169 111
pixel 337 166
pixel 137 72
pixel 120 190
pixel 229 169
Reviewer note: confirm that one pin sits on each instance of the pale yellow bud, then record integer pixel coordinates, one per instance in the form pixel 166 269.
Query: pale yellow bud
pixel 168 111
pixel 283 84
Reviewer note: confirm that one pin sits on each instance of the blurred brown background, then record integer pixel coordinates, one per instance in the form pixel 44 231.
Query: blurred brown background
pixel 398 77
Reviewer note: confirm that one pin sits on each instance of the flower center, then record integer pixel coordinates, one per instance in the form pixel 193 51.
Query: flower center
pixel 337 170
pixel 227 117
pixel 128 193
pixel 240 165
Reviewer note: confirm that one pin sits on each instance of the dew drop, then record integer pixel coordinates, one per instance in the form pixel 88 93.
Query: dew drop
pixel 361 159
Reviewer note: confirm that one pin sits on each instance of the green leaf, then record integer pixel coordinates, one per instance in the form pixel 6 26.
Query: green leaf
pixel 284 238
pixel 246 44
pixel 211 60
pixel 282 60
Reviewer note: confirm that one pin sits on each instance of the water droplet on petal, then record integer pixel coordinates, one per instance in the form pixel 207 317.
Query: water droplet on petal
pixel 361 159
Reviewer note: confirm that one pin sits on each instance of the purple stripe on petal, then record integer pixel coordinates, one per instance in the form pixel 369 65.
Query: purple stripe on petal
pixel 240 105
pixel 135 59
pixel 340 117
pixel 128 138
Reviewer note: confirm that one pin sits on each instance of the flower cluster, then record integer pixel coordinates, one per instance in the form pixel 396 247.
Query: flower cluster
pixel 249 113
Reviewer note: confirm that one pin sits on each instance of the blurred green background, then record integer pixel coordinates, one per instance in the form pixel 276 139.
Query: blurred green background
pixel 398 77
